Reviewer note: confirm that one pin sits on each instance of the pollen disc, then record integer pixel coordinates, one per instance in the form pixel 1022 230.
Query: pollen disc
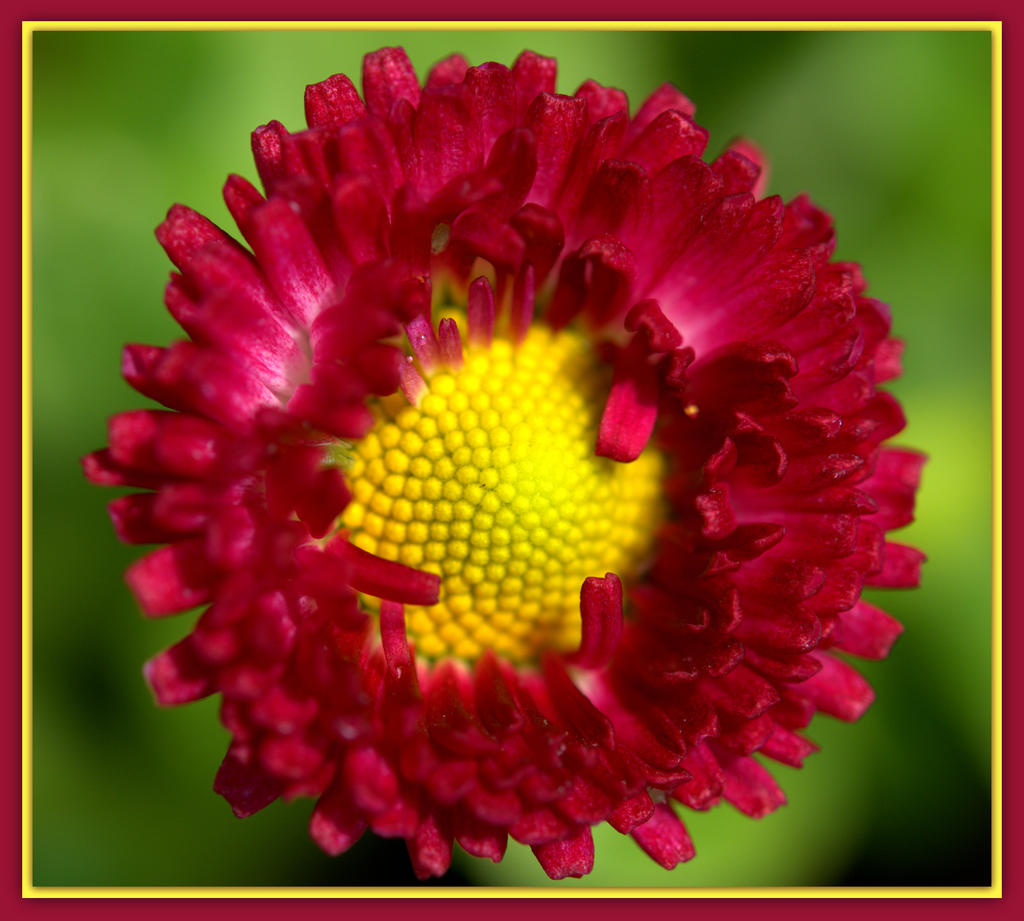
pixel 491 482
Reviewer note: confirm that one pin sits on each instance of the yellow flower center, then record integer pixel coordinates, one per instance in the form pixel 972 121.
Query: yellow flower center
pixel 492 483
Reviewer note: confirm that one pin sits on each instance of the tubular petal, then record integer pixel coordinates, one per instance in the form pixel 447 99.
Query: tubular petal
pixel 567 857
pixel 663 838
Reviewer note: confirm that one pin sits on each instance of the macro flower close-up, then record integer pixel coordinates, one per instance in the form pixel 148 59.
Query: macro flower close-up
pixel 529 466
pixel 550 467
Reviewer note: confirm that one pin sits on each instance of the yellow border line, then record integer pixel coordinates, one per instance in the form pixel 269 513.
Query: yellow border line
pixel 26 459
pixel 997 459
pixel 29 890
pixel 526 892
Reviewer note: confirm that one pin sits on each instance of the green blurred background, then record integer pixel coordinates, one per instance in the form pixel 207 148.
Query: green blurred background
pixel 889 131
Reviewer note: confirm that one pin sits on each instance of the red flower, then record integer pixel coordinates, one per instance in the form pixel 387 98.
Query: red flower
pixel 528 467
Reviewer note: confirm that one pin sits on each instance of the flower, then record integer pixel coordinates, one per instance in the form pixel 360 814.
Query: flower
pixel 528 468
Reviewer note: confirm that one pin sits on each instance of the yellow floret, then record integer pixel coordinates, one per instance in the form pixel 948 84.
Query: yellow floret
pixel 492 483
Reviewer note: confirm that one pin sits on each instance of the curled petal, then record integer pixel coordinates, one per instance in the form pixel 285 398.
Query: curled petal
pixel 601 612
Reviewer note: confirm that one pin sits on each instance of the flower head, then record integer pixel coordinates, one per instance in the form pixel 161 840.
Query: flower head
pixel 528 468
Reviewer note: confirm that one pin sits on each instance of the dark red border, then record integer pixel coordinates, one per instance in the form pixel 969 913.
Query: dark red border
pixel 538 10
pixel 499 910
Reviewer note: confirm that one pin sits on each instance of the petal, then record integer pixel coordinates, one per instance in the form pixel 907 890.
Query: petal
pixel 631 410
pixel 664 838
pixel 388 76
pixel 177 675
pixel 172 579
pixel 336 824
pixel 332 102
pixel 838 689
pixel 245 785
pixel 572 856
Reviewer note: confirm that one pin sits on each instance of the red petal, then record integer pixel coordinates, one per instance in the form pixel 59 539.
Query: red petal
pixel 450 342
pixel 748 786
pixel 632 408
pixel 533 75
pixel 361 218
pixel 868 631
pixel 602 101
pixel 388 76
pixel 393 636
pixel 445 146
pixel 557 124
pixel 495 703
pixel 740 168
pixel 541 230
pixel 184 232
pixel 431 848
pixel 901 569
pixel 336 824
pixel 424 344
pixel 787 747
pixel 480 839
pixel 480 312
pixel 178 676
pixel 369 779
pixel 665 97
pixel 522 303
pixel 134 521
pixel 568 856
pixel 290 259
pixel 669 136
pixel 245 785
pixel 385 579
pixel 664 838
pixel 290 757
pixel 635 811
pixel 601 613
pixel 332 102
pixel 661 335
pixel 592 725
pixel 174 578
pixel 100 468
pixel 838 689
pixel 449 71
pixel 490 95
